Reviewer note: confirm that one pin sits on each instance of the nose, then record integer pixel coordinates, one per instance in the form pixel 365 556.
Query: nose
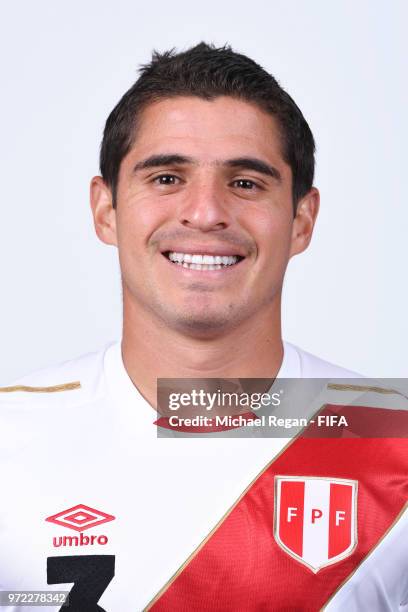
pixel 204 207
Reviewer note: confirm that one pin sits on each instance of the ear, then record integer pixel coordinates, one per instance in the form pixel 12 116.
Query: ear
pixel 304 221
pixel 104 214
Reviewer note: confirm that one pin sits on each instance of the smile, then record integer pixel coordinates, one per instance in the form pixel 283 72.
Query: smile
pixel 197 261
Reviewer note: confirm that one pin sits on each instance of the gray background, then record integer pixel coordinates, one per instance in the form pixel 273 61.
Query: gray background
pixel 65 65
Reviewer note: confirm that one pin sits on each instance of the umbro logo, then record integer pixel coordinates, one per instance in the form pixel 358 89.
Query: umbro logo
pixel 79 518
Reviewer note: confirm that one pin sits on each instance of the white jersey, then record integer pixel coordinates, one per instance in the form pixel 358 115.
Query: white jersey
pixel 94 503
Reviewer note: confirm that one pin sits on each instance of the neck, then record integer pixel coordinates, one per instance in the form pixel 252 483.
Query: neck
pixel 151 350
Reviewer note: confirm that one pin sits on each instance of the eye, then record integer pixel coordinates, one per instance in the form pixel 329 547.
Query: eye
pixel 166 179
pixel 245 184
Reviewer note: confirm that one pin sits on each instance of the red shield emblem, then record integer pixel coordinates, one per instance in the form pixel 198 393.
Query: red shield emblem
pixel 316 519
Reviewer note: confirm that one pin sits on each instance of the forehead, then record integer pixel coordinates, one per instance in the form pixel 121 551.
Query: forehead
pixel 207 129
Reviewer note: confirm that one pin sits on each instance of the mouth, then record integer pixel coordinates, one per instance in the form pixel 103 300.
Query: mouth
pixel 203 261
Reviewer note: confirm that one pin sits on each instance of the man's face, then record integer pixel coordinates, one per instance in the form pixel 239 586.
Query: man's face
pixel 204 218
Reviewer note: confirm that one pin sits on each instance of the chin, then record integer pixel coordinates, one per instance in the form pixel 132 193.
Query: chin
pixel 204 324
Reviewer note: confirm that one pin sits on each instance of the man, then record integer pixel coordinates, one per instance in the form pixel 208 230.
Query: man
pixel 207 192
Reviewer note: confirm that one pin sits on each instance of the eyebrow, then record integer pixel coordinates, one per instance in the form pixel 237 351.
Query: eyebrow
pixel 252 163
pixel 246 163
pixel 155 161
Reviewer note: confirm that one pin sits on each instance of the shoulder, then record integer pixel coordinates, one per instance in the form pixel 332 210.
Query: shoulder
pixel 55 407
pixel 75 381
pixel 310 366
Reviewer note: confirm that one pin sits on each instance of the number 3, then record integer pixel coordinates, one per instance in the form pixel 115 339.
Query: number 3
pixel 91 575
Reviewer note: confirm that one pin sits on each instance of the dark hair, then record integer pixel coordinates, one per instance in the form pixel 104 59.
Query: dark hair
pixel 208 72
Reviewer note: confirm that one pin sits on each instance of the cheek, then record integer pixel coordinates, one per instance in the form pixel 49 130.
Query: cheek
pixel 271 228
pixel 137 220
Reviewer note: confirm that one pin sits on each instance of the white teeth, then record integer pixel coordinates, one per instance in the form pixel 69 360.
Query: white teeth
pixel 176 256
pixel 193 266
pixel 202 262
